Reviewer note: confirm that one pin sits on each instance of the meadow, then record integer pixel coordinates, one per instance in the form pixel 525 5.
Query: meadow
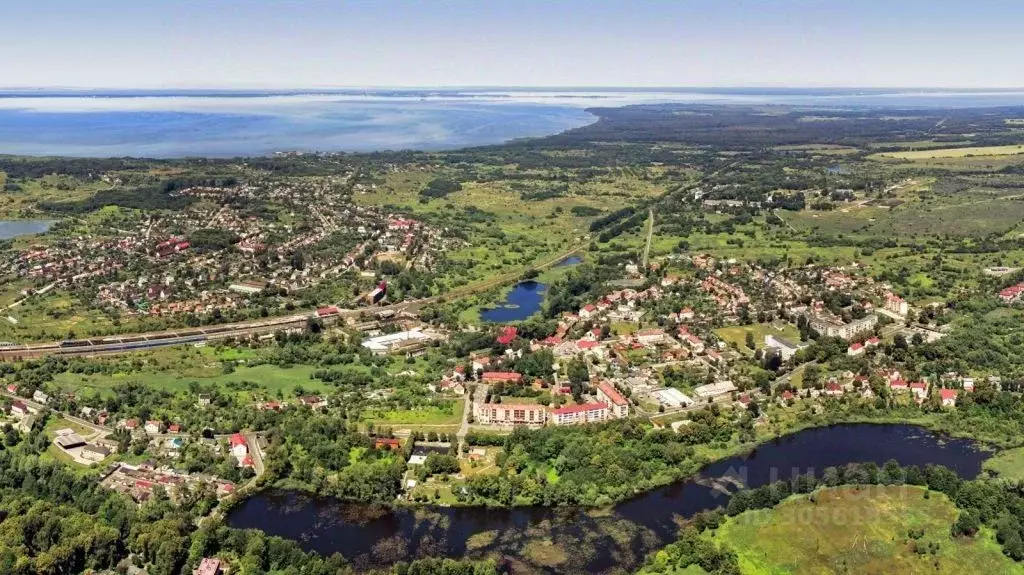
pixel 860 529
pixel 954 152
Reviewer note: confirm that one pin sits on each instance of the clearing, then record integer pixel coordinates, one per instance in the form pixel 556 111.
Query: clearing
pixel 860 529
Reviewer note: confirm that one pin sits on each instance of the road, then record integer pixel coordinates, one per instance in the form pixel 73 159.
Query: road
pixel 479 394
pixel 126 343
pixel 650 236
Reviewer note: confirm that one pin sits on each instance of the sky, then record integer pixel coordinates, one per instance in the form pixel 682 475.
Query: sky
pixel 403 43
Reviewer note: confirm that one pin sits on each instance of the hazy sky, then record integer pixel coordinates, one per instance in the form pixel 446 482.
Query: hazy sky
pixel 319 43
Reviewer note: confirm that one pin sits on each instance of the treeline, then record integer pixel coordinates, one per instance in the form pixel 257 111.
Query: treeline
pixel 439 188
pixel 594 465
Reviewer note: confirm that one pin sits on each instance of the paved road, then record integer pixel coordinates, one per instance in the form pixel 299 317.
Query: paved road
pixel 467 409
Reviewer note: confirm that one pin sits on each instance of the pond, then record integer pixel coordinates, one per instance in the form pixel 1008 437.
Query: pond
pixel 569 261
pixel 14 228
pixel 523 301
pixel 544 540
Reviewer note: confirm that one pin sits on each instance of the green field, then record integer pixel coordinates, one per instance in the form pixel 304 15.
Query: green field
pixel 269 378
pixel 1007 464
pixel 954 152
pixel 430 415
pixel 859 530
pixel 738 334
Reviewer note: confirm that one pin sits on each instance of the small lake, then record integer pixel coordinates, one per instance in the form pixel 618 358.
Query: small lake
pixel 14 228
pixel 545 540
pixel 523 301
pixel 569 261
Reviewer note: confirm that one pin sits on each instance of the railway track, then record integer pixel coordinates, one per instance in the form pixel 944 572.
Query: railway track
pixel 117 344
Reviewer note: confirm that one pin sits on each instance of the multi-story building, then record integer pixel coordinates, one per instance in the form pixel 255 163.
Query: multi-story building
pixel 617 404
pixel 833 328
pixel 574 414
pixel 509 414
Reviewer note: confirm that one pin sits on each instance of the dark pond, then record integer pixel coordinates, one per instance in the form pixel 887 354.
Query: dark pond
pixel 523 301
pixel 584 541
pixel 570 261
pixel 14 228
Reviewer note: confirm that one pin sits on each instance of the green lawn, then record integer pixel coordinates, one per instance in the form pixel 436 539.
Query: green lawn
pixel 427 415
pixel 270 378
pixel 738 334
pixel 1008 464
pixel 859 530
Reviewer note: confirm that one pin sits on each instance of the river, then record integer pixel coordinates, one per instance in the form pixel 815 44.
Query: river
pixel 545 540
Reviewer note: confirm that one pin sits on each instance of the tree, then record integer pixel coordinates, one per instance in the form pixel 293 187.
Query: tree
pixel 750 340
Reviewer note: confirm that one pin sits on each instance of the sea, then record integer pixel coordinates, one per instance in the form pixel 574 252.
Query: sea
pixel 229 123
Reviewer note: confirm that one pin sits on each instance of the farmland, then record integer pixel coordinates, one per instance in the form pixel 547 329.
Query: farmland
pixel 954 152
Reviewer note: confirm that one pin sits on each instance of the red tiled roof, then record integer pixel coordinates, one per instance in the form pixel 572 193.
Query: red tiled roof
pixel 612 394
pixel 578 408
pixel 237 439
pixel 501 376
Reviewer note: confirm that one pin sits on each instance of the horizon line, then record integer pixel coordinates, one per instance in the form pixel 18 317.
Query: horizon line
pixel 546 87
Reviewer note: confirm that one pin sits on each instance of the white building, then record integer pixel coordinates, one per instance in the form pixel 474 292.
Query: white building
pixel 576 414
pixel 672 397
pixel 383 344
pixel 786 348
pixel 714 389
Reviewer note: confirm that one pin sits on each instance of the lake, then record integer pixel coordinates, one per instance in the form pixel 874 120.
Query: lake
pixel 544 540
pixel 14 228
pixel 523 301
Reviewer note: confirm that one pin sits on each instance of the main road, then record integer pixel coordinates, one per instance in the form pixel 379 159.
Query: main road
pixel 116 344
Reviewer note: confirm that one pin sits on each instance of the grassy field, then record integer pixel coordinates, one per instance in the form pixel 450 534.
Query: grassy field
pixel 428 415
pixel 1007 464
pixel 954 152
pixel 269 378
pixel 859 530
pixel 738 334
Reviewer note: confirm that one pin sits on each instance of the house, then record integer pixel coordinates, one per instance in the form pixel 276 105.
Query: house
pixel 898 385
pixel 480 363
pixel 948 397
pixel 94 452
pixel 588 311
pixel 919 389
pixel 509 414
pixel 507 335
pixel 386 443
pixel 204 400
pixel 501 376
pixel 968 384
pixel 19 409
pixel 855 349
pixel 312 401
pixel 872 342
pixel 40 397
pixel 650 336
pixel 786 348
pixel 617 404
pixel 695 343
pixel 833 388
pixel 686 314
pixel 239 446
pixel 12 388
pixel 174 428
pixel 152 427
pixel 327 311
pixel 208 566
pixel 129 424
pixel 576 414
